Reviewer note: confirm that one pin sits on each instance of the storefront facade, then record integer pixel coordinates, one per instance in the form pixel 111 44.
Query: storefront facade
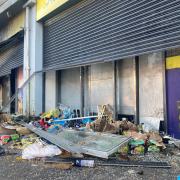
pixel 11 62
pixel 11 56
pixel 91 52
pixel 113 53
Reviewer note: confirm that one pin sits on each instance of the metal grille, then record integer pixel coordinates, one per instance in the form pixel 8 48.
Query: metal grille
pixel 173 52
pixel 107 30
pixel 11 59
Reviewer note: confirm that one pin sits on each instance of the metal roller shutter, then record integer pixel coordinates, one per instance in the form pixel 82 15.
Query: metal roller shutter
pixel 107 30
pixel 11 58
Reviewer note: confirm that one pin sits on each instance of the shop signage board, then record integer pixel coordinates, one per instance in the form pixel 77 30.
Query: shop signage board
pixel 45 7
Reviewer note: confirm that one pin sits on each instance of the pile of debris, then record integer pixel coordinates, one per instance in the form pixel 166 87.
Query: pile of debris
pixel 77 140
pixel 141 142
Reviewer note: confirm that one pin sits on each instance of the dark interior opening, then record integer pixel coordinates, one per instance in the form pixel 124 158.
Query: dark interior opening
pixel 13 89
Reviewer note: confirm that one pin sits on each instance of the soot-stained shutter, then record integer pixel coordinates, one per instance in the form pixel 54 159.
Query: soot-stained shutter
pixel 11 58
pixel 106 30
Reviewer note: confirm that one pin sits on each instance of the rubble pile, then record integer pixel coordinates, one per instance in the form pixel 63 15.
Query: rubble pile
pixel 63 133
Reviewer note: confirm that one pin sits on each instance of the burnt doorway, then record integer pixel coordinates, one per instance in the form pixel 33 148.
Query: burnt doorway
pixel 13 90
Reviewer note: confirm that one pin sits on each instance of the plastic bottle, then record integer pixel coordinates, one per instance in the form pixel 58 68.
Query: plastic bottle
pixel 85 163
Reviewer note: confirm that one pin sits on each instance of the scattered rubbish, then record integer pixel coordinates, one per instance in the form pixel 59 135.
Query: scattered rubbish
pixel 104 122
pixel 52 113
pixel 136 147
pixel 166 139
pixel 63 116
pixel 115 162
pixel 59 165
pixel 131 171
pixel 147 142
pixel 6 118
pixel 138 150
pixel 91 143
pixel 85 163
pixel 176 142
pixel 126 125
pixel 25 141
pixel 5 131
pixel 124 150
pixel 65 111
pixel 40 150
pixel 140 172
pixel 85 120
pixel 153 136
pixel 135 135
pixel 15 137
pixel 4 139
pixel 23 131
pixel 153 148
pixel 136 142
pixel 53 138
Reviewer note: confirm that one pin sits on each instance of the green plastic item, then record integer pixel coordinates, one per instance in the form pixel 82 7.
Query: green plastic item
pixel 136 142
pixel 15 137
pixel 153 148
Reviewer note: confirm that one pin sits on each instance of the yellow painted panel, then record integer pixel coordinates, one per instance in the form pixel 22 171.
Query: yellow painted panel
pixel 173 62
pixel 14 25
pixel 44 7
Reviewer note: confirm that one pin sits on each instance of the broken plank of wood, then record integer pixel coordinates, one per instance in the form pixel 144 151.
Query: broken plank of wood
pixel 59 165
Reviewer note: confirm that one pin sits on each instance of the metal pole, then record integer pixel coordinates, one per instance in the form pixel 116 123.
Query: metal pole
pixel 28 59
pixel 164 91
pixel 82 89
pixel 115 89
pixel 73 119
pixel 137 88
pixel 44 91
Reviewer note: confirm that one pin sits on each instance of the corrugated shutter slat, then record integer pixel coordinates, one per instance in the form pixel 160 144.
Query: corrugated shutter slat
pixel 11 59
pixel 101 30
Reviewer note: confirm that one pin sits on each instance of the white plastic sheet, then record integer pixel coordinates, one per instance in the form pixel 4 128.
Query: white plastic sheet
pixel 38 149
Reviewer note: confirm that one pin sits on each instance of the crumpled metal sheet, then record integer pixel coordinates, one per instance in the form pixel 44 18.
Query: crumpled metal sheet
pixel 91 143
pixel 53 138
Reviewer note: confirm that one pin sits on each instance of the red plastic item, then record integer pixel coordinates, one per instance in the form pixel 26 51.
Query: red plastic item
pixel 41 122
pixel 4 139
